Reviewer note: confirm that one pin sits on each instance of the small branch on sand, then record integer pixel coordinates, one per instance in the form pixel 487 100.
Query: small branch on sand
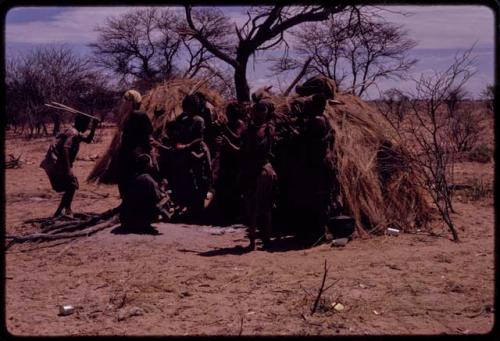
pixel 48 236
pixel 322 290
pixel 84 227
pixel 13 162
pixel 241 326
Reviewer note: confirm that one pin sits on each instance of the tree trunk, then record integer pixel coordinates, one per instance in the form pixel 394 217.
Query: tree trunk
pixel 240 79
pixel 241 86
pixel 44 127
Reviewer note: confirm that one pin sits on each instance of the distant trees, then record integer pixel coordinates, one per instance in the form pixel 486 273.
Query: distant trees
pixel 465 129
pixel 50 74
pixel 354 50
pixel 465 123
pixel 394 105
pixel 453 99
pixel 488 94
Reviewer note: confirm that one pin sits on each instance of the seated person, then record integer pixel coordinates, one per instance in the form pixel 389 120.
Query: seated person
pixel 140 198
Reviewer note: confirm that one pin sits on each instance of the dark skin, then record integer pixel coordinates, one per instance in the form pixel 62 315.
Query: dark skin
pixel 258 119
pixel 234 129
pixel 191 111
pixel 158 144
pixel 67 198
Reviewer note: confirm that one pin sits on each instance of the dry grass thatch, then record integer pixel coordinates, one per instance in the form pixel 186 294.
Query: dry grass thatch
pixel 168 97
pixel 360 135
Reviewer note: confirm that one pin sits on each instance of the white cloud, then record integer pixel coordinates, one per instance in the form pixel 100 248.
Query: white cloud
pixel 75 25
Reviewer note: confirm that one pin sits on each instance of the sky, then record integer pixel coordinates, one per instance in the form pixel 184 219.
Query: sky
pixel 440 31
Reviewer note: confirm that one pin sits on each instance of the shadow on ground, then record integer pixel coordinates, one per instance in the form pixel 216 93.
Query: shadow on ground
pixel 151 230
pixel 277 245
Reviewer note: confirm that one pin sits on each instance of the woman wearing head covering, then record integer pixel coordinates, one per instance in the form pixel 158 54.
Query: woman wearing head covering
pixel 137 131
pixel 136 178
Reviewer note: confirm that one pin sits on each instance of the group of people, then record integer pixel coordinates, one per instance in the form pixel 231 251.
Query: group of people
pixel 198 158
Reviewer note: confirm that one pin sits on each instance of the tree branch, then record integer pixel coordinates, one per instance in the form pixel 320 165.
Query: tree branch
pixel 204 41
pixel 299 76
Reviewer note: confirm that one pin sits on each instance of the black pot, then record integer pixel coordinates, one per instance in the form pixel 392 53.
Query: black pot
pixel 341 226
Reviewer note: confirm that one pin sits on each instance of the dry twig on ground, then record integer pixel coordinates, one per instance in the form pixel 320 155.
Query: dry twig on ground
pixel 241 326
pixel 321 290
pixel 58 230
pixel 13 162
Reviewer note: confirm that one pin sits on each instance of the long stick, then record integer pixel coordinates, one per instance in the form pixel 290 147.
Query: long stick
pixel 61 108
pixel 71 110
pixel 53 106
pixel 68 107
pixel 74 110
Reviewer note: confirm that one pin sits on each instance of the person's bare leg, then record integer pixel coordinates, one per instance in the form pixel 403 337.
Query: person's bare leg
pixel 252 221
pixel 252 230
pixel 68 199
pixel 266 229
pixel 264 203
pixel 60 207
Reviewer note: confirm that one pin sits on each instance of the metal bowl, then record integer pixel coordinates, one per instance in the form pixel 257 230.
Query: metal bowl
pixel 341 226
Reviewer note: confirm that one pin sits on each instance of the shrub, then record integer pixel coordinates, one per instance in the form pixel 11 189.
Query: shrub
pixel 481 153
pixel 479 189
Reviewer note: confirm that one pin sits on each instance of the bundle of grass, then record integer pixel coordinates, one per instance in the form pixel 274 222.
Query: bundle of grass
pixel 374 184
pixel 162 104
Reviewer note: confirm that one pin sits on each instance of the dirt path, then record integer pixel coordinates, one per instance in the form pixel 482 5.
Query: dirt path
pixel 196 280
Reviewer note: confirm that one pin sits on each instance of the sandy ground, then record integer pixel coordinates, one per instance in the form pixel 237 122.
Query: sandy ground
pixel 196 279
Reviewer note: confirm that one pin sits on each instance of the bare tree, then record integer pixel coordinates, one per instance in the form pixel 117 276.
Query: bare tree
pixel 356 49
pixel 319 48
pixel 141 44
pixel 263 30
pixel 378 51
pixel 149 45
pixel 425 134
